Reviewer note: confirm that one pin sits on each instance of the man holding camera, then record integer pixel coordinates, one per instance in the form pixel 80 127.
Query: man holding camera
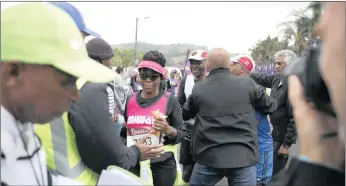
pixel 321 159
pixel 284 133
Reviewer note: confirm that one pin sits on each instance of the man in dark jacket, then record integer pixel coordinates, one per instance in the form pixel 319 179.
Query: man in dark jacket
pixel 321 161
pixel 197 67
pixel 284 133
pixel 224 139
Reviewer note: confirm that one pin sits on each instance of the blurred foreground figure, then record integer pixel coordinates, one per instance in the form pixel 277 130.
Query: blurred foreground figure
pixel 322 143
pixel 42 55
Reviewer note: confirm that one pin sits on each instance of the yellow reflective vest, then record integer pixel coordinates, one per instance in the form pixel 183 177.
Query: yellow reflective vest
pixel 146 174
pixel 59 142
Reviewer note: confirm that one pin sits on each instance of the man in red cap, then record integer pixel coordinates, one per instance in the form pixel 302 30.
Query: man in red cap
pixel 243 66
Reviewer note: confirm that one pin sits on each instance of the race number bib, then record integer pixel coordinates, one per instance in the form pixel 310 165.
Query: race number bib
pixel 134 135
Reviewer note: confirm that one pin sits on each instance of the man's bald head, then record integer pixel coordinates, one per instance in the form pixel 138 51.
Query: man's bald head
pixel 217 58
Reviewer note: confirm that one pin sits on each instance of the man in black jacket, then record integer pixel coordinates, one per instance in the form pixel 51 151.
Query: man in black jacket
pixel 284 133
pixel 321 161
pixel 224 139
pixel 197 67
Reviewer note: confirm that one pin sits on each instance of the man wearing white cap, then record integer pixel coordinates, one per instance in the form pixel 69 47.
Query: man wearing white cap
pixel 196 59
pixel 243 66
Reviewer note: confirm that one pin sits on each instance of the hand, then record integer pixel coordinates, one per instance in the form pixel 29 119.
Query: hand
pixel 149 151
pixel 283 150
pixel 311 125
pixel 161 125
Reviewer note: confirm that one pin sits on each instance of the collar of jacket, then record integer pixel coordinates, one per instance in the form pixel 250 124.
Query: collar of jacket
pixel 219 71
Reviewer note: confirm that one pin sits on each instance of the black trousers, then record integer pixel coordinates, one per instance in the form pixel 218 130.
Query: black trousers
pixel 164 172
pixel 279 160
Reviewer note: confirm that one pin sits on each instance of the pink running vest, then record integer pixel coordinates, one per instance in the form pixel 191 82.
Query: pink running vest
pixel 140 120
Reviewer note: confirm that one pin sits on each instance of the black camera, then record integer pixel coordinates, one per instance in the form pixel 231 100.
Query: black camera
pixel 307 69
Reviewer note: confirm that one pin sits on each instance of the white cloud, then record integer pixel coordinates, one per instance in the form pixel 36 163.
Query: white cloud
pixel 235 26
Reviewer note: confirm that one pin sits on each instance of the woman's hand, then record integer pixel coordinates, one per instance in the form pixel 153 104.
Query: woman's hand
pixel 162 126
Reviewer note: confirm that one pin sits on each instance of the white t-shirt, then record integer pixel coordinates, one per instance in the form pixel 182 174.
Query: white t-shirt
pixel 189 84
pixel 20 165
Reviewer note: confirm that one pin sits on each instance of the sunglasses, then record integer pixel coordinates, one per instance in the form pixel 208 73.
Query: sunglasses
pixel 145 74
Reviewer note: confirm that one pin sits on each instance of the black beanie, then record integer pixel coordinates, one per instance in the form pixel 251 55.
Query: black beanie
pixel 99 49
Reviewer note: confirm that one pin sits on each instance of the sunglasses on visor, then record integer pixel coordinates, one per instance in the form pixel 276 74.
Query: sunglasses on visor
pixel 147 73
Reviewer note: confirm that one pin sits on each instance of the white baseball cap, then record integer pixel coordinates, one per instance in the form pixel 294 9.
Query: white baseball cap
pixel 198 55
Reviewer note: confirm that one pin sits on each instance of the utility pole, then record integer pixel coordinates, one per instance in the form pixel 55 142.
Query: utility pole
pixel 135 52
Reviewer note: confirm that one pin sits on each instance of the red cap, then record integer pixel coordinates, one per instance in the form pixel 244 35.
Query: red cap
pixel 246 61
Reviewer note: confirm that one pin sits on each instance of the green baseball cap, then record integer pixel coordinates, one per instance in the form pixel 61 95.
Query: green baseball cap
pixel 40 33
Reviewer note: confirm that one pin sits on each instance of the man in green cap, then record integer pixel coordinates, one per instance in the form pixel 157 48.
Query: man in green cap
pixel 42 55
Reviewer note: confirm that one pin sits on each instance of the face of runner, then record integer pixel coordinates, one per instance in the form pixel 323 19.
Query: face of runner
pixel 280 64
pixel 197 68
pixel 36 93
pixel 150 80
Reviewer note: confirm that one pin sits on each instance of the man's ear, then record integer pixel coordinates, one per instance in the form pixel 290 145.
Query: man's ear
pixel 11 72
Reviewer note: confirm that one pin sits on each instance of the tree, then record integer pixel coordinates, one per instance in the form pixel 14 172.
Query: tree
pixel 316 9
pixel 264 50
pixel 124 57
pixel 297 34
pixel 297 31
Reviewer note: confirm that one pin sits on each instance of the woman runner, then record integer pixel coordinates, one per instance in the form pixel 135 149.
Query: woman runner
pixel 140 121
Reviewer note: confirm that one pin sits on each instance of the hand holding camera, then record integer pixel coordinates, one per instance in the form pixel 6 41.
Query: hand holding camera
pixel 313 112
pixel 316 129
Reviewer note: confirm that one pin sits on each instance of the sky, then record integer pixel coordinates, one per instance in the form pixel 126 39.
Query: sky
pixel 235 26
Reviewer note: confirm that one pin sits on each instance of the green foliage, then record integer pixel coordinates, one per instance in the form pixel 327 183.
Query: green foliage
pixel 296 34
pixel 124 57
